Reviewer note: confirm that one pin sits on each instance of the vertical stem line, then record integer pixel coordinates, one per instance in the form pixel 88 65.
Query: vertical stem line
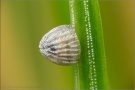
pixel 76 70
pixel 91 59
pixel 90 72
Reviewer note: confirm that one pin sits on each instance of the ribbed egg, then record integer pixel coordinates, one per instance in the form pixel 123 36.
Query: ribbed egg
pixel 61 45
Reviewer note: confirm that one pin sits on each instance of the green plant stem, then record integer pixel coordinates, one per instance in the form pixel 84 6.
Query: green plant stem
pixel 90 72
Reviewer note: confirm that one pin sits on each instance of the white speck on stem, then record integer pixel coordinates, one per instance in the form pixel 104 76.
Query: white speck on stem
pixel 92 76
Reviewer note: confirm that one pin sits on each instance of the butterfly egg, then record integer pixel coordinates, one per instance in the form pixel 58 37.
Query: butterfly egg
pixel 61 45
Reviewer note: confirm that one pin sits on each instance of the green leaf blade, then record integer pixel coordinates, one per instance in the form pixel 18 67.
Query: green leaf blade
pixel 91 68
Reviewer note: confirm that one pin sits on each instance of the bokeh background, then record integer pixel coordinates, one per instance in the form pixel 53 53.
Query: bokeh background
pixel 24 22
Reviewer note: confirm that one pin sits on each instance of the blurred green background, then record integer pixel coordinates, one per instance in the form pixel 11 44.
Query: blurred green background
pixel 23 23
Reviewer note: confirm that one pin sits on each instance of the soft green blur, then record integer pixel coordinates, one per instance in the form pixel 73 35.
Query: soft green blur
pixel 118 19
pixel 23 23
